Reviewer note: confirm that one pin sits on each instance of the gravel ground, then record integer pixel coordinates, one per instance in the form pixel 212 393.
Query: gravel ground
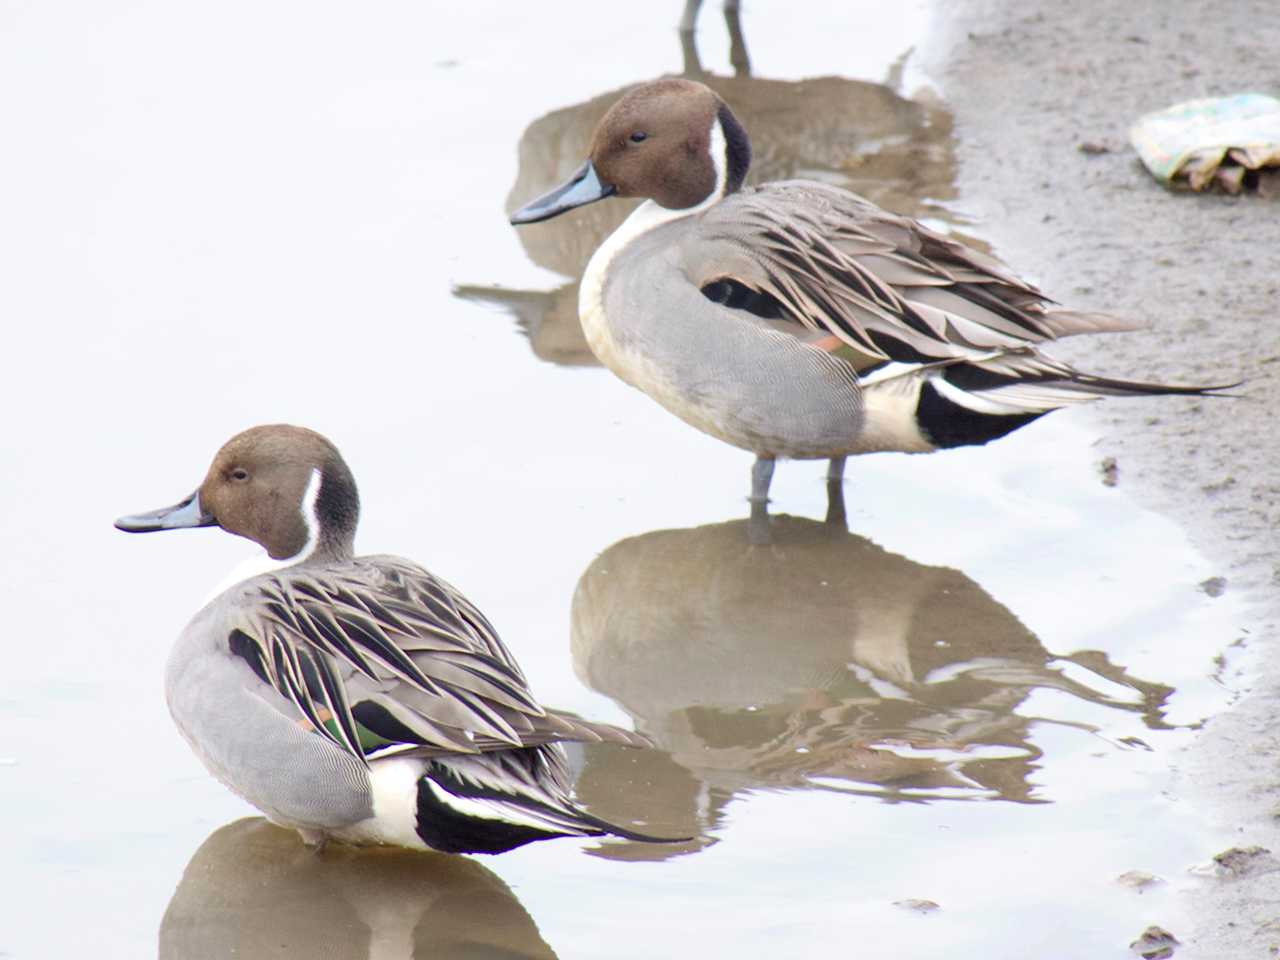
pixel 1030 83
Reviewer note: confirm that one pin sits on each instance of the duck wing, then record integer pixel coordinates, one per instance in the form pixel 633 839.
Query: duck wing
pixel 833 265
pixel 383 658
pixel 903 305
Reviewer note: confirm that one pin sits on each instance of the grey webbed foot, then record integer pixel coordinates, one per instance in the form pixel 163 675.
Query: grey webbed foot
pixel 314 841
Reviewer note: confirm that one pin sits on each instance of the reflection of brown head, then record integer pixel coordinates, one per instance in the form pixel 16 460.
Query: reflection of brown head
pixel 862 136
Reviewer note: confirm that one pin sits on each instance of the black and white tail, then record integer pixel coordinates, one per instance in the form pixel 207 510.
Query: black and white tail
pixel 956 403
pixel 965 404
pixel 494 802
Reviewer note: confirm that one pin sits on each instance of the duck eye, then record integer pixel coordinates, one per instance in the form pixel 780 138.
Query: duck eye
pixel 240 473
pixel 639 136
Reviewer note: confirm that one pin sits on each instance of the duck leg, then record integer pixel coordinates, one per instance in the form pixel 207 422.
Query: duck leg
pixel 688 38
pixel 761 477
pixel 835 493
pixel 689 16
pixel 737 43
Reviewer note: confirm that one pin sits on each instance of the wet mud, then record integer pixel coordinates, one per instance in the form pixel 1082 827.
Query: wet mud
pixel 1030 88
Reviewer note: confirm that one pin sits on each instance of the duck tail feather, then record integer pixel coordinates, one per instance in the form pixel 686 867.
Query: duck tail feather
pixel 1108 386
pixel 568 726
pixel 1068 323
pixel 498 801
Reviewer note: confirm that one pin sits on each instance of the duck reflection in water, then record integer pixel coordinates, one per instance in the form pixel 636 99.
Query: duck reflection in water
pixel 253 890
pixel 821 662
pixel 865 137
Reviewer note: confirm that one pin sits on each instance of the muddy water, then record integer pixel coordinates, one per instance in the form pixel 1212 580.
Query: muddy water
pixel 295 212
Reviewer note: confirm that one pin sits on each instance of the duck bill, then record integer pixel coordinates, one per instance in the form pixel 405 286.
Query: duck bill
pixel 580 189
pixel 188 513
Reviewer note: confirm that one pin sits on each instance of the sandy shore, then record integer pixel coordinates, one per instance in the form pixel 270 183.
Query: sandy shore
pixel 1029 83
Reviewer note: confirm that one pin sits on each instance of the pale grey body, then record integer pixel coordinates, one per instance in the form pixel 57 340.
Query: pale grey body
pixel 251 738
pixel 735 376
pixel 816 382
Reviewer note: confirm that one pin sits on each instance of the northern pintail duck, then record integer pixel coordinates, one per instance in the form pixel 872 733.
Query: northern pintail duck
pixel 358 698
pixel 797 319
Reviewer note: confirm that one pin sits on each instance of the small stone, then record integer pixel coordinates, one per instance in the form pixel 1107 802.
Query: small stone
pixel 1245 861
pixel 1139 880
pixel 917 906
pixel 1110 471
pixel 1214 586
pixel 1156 943
pixel 1092 148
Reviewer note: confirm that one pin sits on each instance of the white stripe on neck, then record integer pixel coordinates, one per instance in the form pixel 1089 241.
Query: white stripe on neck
pixel 719 148
pixel 309 518
pixel 262 562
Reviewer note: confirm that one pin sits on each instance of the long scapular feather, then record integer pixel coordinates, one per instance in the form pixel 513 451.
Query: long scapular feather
pixel 289 670
pixel 385 642
pixel 336 699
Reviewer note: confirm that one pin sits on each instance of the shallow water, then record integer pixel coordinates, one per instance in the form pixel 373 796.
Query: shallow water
pixel 295 213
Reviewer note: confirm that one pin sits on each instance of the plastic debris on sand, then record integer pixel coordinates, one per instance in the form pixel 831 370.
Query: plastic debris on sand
pixel 1229 142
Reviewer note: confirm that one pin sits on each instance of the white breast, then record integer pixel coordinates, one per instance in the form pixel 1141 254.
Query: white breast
pixel 591 309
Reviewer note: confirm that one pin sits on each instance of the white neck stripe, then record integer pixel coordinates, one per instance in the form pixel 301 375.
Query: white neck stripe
pixel 719 148
pixel 261 562
pixel 309 517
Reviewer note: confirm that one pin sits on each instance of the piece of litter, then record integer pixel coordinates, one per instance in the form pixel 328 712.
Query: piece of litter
pixel 1228 141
